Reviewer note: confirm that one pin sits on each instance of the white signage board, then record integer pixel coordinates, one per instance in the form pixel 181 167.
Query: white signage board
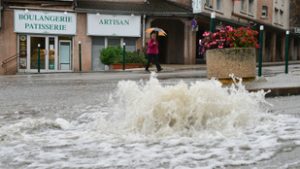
pixel 197 6
pixel 114 25
pixel 44 22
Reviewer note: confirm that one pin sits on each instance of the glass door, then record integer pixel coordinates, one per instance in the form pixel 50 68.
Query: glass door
pixel 34 43
pixel 65 55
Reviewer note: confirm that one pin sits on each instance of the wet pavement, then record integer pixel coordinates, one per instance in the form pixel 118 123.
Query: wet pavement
pixel 55 121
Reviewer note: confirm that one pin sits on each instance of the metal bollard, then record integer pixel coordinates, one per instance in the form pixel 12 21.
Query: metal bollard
pixel 124 50
pixel 287 39
pixel 39 58
pixel 212 27
pixel 79 47
pixel 260 55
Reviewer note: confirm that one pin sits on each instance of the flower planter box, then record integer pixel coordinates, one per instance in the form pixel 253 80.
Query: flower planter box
pixel 127 66
pixel 238 61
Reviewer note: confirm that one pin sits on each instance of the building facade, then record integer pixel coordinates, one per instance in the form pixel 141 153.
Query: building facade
pixel 59 28
pixel 29 27
pixel 295 29
pixel 272 14
pixel 71 34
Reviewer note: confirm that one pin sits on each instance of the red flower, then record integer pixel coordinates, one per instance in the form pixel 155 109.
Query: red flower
pixel 228 37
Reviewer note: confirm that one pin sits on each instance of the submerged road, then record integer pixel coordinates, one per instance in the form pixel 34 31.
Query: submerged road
pixel 55 121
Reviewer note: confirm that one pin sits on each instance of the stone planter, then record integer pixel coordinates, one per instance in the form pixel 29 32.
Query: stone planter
pixel 238 61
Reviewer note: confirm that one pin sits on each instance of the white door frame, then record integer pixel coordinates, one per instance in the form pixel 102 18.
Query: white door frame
pixel 70 57
pixel 56 59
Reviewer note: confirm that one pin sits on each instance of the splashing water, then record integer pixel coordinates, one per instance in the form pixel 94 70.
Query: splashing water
pixel 183 109
pixel 151 125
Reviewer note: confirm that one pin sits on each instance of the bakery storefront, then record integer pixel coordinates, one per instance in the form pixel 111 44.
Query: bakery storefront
pixel 52 32
pixel 112 30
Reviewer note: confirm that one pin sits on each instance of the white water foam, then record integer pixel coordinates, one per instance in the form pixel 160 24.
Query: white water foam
pixel 203 106
pixel 151 125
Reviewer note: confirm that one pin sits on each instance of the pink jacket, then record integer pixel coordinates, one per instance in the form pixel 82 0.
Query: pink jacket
pixel 152 47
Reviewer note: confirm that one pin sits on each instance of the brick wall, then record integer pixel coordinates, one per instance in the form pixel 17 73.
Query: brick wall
pixel 269 5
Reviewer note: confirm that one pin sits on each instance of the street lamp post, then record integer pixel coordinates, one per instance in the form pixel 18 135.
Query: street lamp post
pixel 260 55
pixel 124 45
pixel 79 48
pixel 39 58
pixel 212 22
pixel 287 39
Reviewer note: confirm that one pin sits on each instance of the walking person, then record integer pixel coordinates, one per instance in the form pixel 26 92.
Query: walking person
pixel 153 52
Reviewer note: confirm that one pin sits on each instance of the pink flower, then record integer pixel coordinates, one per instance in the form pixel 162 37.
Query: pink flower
pixel 205 34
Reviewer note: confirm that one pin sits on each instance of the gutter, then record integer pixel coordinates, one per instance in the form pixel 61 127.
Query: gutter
pixel 120 12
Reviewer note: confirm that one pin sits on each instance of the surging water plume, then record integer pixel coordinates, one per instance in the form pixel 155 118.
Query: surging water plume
pixel 152 108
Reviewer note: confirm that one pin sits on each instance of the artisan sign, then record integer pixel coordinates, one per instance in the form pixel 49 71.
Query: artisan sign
pixel 45 22
pixel 114 25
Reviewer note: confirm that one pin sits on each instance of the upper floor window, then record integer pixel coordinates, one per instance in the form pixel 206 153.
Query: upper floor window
pixel 276 16
pixel 251 6
pixel 264 12
pixel 243 5
pixel 219 4
pixel 208 3
pixel 281 16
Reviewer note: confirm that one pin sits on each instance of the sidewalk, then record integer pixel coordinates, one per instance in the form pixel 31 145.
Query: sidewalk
pixel 179 67
pixel 273 78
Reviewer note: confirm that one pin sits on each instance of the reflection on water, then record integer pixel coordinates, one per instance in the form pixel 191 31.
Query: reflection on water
pixel 150 125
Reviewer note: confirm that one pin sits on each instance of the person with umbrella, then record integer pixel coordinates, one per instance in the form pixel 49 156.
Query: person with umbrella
pixel 153 52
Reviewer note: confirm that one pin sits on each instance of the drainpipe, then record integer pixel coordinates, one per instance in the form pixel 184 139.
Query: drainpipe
pixel 144 29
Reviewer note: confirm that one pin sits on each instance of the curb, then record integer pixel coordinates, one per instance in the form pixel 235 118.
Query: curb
pixel 280 91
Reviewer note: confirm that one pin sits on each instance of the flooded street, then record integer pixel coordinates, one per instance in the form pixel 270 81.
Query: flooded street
pixel 92 124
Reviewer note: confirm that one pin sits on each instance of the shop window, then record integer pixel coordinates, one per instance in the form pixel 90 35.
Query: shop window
pixel 264 12
pixel 130 44
pixel 64 38
pixel 51 53
pixel 35 42
pixel 113 41
pixel 22 51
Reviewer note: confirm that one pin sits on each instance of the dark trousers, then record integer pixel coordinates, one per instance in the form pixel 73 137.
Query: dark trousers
pixel 153 57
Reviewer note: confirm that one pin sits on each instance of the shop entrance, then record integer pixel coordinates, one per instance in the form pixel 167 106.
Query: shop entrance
pixel 55 53
pixel 171 47
pixel 34 43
